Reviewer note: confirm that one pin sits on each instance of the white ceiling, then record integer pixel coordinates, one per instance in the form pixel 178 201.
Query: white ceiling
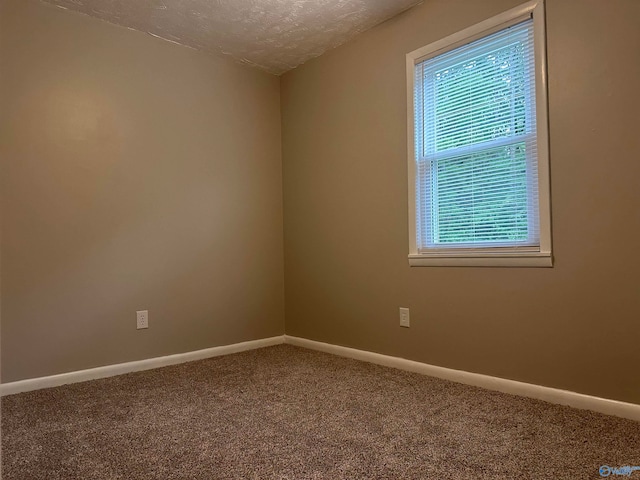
pixel 275 35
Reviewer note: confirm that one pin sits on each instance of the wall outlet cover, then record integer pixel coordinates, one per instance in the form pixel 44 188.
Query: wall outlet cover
pixel 142 319
pixel 404 317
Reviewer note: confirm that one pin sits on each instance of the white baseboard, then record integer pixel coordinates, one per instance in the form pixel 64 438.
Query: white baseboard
pixel 552 395
pixel 137 366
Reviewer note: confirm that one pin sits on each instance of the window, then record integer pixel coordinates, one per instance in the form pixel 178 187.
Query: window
pixel 478 143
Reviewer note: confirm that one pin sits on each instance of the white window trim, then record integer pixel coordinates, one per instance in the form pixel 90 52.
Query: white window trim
pixel 477 257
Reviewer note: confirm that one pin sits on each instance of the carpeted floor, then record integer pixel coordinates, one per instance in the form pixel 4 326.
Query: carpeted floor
pixel 289 413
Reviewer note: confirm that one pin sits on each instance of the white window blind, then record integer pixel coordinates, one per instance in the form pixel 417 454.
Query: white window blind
pixel 476 169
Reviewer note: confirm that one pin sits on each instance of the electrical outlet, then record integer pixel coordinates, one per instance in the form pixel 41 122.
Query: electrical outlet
pixel 142 319
pixel 404 317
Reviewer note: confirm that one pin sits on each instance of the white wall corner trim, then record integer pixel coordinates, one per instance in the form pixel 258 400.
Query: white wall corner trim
pixel 136 366
pixel 548 394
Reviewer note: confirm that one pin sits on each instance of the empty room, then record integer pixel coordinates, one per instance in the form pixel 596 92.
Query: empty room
pixel 319 239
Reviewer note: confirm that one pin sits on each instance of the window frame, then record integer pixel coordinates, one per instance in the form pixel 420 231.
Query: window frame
pixel 479 255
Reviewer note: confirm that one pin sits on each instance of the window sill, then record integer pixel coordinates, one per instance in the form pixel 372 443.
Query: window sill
pixel 482 260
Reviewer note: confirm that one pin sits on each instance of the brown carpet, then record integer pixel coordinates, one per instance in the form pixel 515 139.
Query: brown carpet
pixel 289 413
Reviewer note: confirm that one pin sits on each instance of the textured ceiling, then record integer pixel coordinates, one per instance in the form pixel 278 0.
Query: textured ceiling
pixel 275 35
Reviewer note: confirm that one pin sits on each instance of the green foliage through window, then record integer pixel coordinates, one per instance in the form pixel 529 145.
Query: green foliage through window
pixel 476 125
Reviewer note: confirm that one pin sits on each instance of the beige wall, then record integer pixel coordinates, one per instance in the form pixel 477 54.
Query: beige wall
pixel 135 174
pixel 575 326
